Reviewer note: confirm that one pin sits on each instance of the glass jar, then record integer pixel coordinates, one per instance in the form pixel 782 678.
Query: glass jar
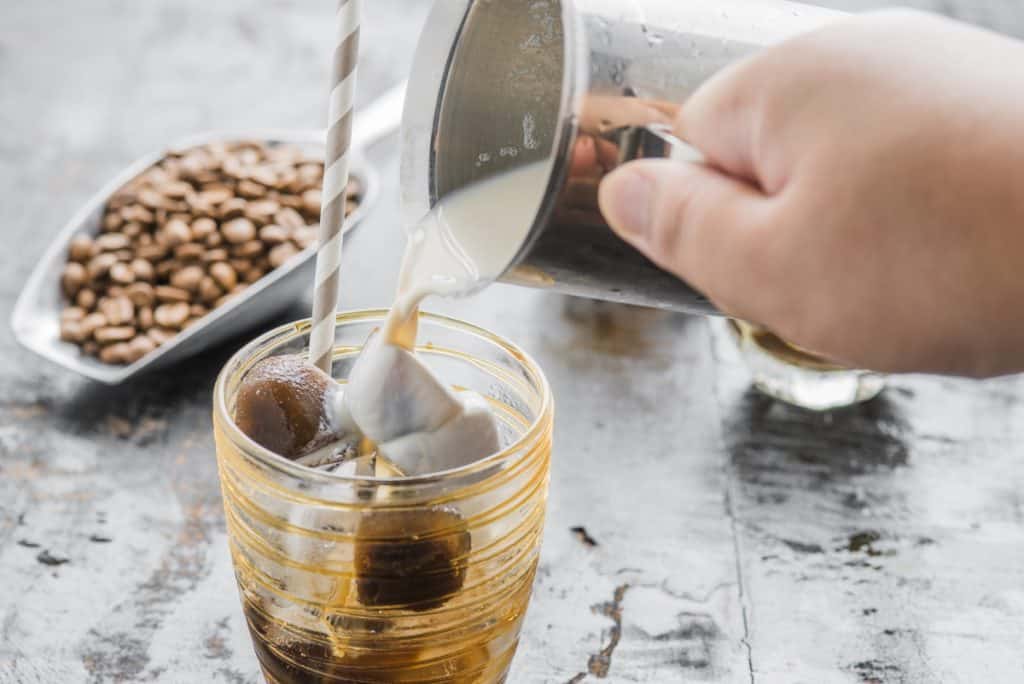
pixel 797 377
pixel 345 578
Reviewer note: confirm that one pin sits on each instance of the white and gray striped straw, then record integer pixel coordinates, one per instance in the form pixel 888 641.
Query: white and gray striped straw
pixel 332 215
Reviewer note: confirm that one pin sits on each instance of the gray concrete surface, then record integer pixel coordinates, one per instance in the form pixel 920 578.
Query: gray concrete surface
pixel 737 540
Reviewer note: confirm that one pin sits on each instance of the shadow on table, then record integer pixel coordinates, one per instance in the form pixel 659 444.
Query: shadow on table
pixel 772 443
pixel 601 328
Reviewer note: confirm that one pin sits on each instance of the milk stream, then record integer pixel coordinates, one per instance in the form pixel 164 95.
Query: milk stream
pixel 465 243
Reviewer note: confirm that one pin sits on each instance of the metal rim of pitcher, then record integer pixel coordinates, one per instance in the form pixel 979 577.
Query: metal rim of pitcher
pixel 432 63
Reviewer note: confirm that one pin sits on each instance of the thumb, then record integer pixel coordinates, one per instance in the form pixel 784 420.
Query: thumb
pixel 704 227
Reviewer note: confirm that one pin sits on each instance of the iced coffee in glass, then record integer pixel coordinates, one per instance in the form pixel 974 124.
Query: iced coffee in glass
pixel 351 570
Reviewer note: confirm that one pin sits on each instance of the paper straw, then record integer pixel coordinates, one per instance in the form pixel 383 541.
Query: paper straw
pixel 332 214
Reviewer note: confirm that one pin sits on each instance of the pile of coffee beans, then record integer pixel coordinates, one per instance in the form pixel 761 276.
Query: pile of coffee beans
pixel 184 237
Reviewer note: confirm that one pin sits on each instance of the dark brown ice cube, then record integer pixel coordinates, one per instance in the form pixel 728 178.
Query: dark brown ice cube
pixel 283 406
pixel 413 559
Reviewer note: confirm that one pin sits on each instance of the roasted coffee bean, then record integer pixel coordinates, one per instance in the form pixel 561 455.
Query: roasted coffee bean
pixel 122 273
pixel 177 189
pixel 292 201
pixel 190 251
pixel 214 255
pixel 141 294
pixel 232 209
pixel 112 242
pixel 166 268
pixel 114 334
pixel 310 174
pixel 151 199
pixel 118 310
pixel 224 300
pixel 86 299
pixel 168 294
pixel 248 250
pixel 202 228
pixel 176 232
pixel 304 237
pixel 264 176
pixel 280 254
pixel 262 211
pixel 144 317
pixel 188 278
pixel 311 202
pixel 138 348
pixel 115 353
pixel 71 331
pixel 216 196
pixel 250 190
pixel 171 315
pixel 224 275
pixel 209 291
pixel 72 313
pixel 274 234
pixel 132 230
pixel 253 274
pixel 81 248
pixel 197 311
pixel 289 219
pixel 100 265
pixel 240 265
pixel 222 187
pixel 143 270
pixel 152 253
pixel 74 278
pixel 90 348
pixel 137 213
pixel 92 323
pixel 161 335
pixel 214 240
pixel 238 231
pixel 112 222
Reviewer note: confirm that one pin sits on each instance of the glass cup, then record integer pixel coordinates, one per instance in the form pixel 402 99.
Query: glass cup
pixel 347 578
pixel 797 377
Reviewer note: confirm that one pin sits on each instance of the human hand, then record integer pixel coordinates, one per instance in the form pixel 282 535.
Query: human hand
pixel 863 195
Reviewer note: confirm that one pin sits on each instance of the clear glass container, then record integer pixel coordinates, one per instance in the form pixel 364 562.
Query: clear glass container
pixel 380 579
pixel 797 377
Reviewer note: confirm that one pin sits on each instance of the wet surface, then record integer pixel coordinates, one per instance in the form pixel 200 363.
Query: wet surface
pixel 734 539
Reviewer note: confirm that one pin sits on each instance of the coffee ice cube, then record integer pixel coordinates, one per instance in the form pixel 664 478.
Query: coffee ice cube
pixel 471 435
pixel 415 559
pixel 291 407
pixel 391 393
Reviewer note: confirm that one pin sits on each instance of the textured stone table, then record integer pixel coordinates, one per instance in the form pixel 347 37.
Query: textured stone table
pixel 732 539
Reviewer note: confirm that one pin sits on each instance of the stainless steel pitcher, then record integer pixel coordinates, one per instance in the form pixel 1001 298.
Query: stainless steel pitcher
pixel 583 86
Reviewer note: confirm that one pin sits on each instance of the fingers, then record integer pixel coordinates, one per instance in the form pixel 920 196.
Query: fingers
pixel 703 226
pixel 721 120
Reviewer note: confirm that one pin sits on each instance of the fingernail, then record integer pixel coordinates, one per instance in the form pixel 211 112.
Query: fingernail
pixel 625 197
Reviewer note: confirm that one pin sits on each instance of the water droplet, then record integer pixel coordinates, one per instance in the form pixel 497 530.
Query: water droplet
pixel 529 132
pixel 654 39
